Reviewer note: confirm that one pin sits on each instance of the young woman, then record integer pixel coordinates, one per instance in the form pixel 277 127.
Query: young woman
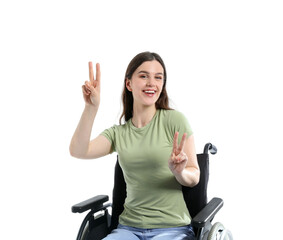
pixel 155 147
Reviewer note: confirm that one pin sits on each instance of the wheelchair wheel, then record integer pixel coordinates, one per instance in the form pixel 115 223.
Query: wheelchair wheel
pixel 216 231
pixel 219 232
pixel 85 232
pixel 226 235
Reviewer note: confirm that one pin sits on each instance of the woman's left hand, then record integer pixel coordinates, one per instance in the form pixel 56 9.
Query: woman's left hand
pixel 178 159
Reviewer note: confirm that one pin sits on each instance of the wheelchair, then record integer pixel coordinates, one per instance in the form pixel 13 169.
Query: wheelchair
pixel 99 222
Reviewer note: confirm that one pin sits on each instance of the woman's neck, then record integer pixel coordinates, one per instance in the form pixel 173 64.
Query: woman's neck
pixel 142 115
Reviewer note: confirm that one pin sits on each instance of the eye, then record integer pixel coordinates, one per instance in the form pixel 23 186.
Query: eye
pixel 159 77
pixel 143 76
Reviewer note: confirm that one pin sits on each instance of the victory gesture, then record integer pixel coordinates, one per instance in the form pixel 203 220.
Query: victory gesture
pixel 91 88
pixel 178 159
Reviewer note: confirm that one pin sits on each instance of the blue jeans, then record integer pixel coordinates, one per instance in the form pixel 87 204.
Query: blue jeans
pixel 130 233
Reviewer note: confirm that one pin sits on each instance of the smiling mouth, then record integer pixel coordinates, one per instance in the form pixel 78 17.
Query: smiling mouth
pixel 149 93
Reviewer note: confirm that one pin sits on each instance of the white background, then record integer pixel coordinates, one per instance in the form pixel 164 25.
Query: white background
pixel 224 62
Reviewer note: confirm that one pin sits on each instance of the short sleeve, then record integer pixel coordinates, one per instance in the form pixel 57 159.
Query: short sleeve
pixel 177 122
pixel 110 135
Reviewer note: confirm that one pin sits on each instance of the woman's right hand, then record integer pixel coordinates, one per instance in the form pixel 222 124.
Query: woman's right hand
pixel 91 88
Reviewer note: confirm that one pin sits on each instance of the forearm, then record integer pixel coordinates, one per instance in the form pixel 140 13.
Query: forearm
pixel 81 138
pixel 188 177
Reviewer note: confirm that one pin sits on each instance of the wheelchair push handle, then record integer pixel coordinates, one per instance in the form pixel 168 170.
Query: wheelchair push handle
pixel 209 147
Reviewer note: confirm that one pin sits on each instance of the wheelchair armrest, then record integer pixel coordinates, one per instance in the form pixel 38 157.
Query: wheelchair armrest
pixel 92 203
pixel 207 213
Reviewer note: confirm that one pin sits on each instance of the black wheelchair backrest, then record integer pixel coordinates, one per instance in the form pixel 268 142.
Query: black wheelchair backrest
pixel 195 198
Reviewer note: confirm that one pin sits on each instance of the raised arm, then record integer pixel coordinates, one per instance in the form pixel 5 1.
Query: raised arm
pixel 81 146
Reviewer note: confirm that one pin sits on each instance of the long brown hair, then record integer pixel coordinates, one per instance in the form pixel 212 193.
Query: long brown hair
pixel 127 96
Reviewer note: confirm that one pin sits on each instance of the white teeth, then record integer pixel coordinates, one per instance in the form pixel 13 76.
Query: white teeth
pixel 149 91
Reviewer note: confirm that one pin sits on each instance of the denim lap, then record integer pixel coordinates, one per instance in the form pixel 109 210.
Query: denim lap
pixel 121 234
pixel 131 233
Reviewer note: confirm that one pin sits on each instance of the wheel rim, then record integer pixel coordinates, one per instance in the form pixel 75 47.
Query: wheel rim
pixel 215 232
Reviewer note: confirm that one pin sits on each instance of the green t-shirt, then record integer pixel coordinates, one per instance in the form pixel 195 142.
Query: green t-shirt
pixel 154 196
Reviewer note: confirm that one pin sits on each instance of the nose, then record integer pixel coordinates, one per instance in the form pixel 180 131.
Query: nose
pixel 150 81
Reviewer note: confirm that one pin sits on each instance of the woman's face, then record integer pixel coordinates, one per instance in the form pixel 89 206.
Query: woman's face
pixel 146 83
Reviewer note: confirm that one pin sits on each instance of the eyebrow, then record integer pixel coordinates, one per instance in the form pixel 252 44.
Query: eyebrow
pixel 149 72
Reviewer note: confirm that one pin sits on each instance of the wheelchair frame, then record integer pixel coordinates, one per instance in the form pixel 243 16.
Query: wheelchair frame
pixel 98 222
